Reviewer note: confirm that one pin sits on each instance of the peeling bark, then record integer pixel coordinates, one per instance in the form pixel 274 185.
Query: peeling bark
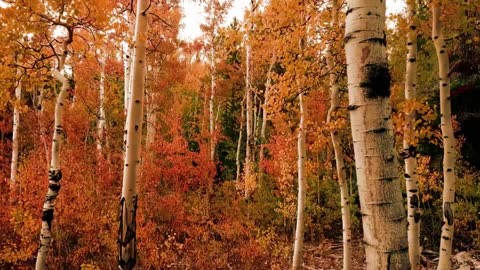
pixel 128 204
pixel 383 215
pixel 449 152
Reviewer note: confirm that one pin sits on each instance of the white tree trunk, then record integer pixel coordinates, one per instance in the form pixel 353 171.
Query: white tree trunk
pixel 239 143
pixel 101 108
pixel 16 124
pixel 448 140
pixel 248 178
pixel 337 148
pixel 55 173
pixel 382 207
pixel 129 51
pixel 299 231
pixel 409 149
pixel 263 128
pixel 128 203
pixel 211 101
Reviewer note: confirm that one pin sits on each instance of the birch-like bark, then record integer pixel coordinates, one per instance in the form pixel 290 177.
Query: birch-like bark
pixel 382 207
pixel 263 128
pixel 249 119
pixel 16 124
pixel 211 101
pixel 239 143
pixel 409 149
pixel 337 148
pixel 128 203
pixel 101 108
pixel 299 231
pixel 55 173
pixel 448 140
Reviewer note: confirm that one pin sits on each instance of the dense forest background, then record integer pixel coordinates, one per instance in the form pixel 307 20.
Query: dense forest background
pixel 217 184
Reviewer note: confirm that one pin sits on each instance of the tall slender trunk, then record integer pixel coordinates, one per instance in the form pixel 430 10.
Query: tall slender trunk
pixel 248 147
pixel 129 51
pixel 337 149
pixel 101 108
pixel 128 203
pixel 55 173
pixel 16 124
pixel 383 216
pixel 239 143
pixel 151 120
pixel 263 129
pixel 409 149
pixel 211 105
pixel 299 231
pixel 448 140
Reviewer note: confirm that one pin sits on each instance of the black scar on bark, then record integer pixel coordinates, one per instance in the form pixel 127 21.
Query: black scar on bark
pixel 448 213
pixel 377 81
pixel 54 187
pixel 414 201
pixel 417 217
pixel 47 216
pixel 55 176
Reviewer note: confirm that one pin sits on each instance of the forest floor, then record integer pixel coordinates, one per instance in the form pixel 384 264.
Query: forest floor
pixel 329 256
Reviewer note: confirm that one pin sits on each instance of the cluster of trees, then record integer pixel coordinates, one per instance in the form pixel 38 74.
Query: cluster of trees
pixel 227 150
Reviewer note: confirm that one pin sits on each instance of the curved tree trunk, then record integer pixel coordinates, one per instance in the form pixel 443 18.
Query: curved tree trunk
pixel 337 148
pixel 299 231
pixel 55 173
pixel 383 216
pixel 448 141
pixel 409 149
pixel 128 203
pixel 16 124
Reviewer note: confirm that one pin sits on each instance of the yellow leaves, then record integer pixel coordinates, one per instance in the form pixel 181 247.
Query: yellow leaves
pixel 428 179
pixel 89 266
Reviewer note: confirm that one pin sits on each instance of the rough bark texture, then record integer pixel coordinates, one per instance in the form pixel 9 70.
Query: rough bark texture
pixel 382 208
pixel 128 203
pixel 299 231
pixel 409 149
pixel 16 124
pixel 448 140
pixel 55 173
pixel 337 148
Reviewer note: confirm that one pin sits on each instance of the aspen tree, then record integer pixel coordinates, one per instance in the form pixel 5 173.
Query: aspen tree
pixel 448 139
pixel 239 143
pixel 248 111
pixel 55 173
pixel 337 148
pixel 101 106
pixel 16 124
pixel 383 216
pixel 128 203
pixel 299 230
pixel 268 85
pixel 409 149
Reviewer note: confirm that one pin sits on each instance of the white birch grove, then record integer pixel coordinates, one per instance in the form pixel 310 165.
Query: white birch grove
pixel 409 149
pixel 55 173
pixel 382 207
pixel 16 125
pixel 338 152
pixel 299 229
pixel 128 202
pixel 449 153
